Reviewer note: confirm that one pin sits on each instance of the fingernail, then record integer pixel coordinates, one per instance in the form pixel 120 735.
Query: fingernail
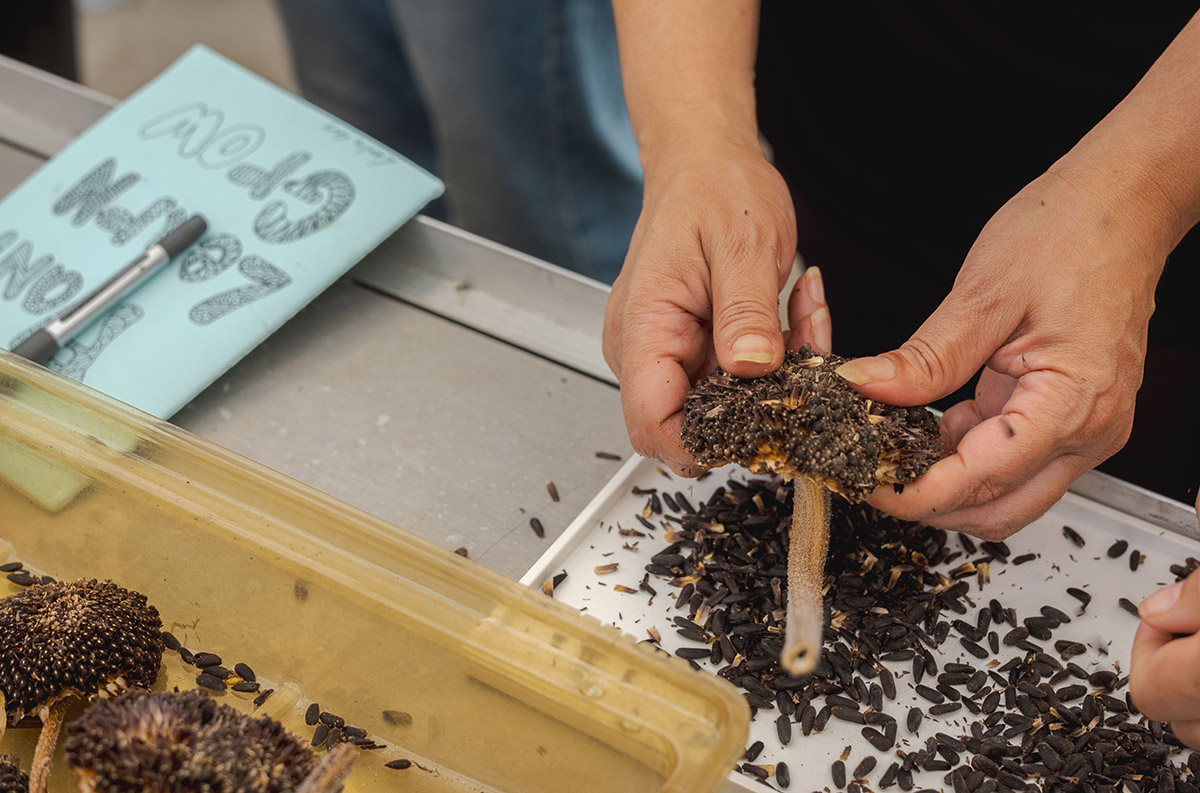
pixel 1161 601
pixel 867 370
pixel 822 330
pixel 816 286
pixel 753 348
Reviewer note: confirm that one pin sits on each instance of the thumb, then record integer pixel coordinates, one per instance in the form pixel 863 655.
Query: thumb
pixel 1175 609
pixel 945 352
pixel 746 330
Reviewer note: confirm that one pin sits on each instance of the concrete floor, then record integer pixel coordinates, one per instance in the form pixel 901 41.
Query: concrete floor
pixel 124 43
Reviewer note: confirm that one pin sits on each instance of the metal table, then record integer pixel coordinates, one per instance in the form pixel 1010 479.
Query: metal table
pixel 481 378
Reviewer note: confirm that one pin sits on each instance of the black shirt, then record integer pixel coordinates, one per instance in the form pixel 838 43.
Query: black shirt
pixel 902 127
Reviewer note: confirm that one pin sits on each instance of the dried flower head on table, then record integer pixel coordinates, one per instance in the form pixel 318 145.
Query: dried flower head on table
pixel 168 741
pixel 12 778
pixel 61 642
pixel 805 422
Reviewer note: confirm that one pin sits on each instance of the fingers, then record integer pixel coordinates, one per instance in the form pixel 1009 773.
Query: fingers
pixel 1174 609
pixel 808 315
pixel 993 518
pixel 1188 733
pixel 1042 423
pixel 944 353
pixel 1162 681
pixel 746 267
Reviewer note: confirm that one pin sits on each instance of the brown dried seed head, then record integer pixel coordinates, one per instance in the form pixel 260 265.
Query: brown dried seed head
pixel 58 639
pixel 183 741
pixel 12 778
pixel 805 419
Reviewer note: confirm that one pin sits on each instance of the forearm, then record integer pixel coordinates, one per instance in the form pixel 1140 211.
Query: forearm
pixel 1147 150
pixel 688 70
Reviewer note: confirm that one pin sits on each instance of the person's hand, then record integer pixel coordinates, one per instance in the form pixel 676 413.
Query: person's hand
pixel 1054 298
pixel 1166 654
pixel 700 286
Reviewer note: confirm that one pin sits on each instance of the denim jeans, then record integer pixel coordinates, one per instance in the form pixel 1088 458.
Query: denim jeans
pixel 516 105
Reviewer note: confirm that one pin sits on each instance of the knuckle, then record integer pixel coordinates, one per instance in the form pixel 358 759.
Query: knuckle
pixel 928 363
pixel 744 313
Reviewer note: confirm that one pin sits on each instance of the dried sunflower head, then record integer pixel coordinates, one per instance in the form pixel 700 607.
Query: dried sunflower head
pixel 183 741
pixel 75 639
pixel 804 419
pixel 12 778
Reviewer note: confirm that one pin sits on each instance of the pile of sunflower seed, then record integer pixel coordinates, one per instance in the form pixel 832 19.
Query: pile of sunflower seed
pixel 894 592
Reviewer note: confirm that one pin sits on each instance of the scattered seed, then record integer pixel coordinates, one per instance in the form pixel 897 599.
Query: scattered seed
pixel 21 579
pixel 1117 549
pixel 246 686
pixel 263 697
pixel 463 551
pixel 782 775
pixel 210 682
pixel 1025 557
pixel 10 567
pixel 783 728
pixel 207 659
pixel 245 672
pixel 320 734
pixel 608 456
pixel 1081 595
pixel 402 764
pixel 312 715
pixel 552 489
pixel 1073 536
pixel 537 527
pixel 864 767
pixel 1129 606
pixel 170 641
pixel 838 772
pixel 752 753
pixel 397 717
pixel 1135 559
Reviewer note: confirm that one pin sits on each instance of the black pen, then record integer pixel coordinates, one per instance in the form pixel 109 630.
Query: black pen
pixel 42 345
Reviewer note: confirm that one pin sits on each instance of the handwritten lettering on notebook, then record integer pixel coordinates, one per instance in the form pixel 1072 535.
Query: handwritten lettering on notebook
pixel 293 197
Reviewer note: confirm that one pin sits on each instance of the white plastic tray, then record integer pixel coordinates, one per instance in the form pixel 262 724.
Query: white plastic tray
pixel 593 540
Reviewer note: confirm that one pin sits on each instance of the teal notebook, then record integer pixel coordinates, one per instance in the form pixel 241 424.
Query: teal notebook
pixel 292 195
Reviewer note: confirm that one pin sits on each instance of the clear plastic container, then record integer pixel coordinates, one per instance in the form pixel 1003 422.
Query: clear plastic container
pixel 504 689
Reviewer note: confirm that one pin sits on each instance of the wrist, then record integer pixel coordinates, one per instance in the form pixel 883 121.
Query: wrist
pixel 688 148
pixel 1134 206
